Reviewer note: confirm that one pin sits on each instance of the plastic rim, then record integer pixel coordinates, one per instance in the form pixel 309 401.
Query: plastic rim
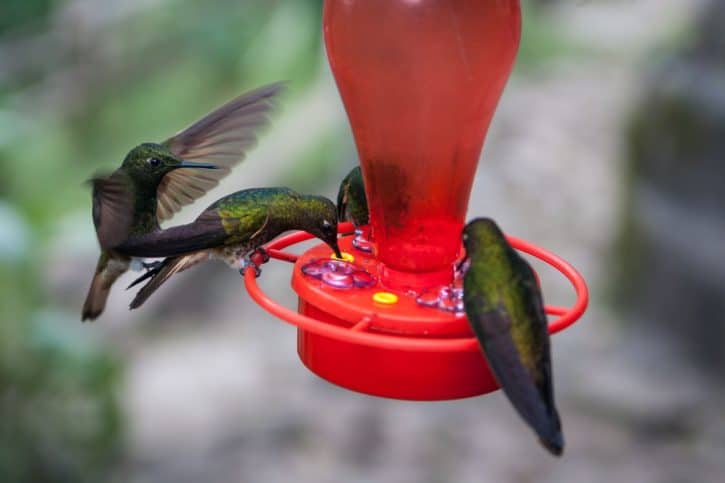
pixel 357 333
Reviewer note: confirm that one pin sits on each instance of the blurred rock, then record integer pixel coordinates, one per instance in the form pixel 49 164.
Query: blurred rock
pixel 673 238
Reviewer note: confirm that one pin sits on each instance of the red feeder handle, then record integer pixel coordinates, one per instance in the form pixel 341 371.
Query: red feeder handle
pixel 357 334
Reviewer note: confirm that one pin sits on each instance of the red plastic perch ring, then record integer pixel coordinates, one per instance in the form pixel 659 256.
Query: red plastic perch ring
pixel 399 350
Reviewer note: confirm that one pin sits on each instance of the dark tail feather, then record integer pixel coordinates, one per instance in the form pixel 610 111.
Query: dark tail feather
pixel 535 406
pixel 554 440
pixel 145 276
pixel 515 380
pixel 531 407
pixel 160 275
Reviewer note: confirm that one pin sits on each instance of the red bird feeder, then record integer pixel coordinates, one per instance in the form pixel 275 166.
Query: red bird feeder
pixel 420 80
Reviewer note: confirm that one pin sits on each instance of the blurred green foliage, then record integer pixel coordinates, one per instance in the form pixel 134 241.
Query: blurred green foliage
pixel 80 83
pixel 59 414
pixel 18 15
pixel 133 80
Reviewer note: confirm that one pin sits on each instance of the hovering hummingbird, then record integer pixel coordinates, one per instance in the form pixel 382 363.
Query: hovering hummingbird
pixel 155 181
pixel 504 305
pixel 232 229
pixel 352 204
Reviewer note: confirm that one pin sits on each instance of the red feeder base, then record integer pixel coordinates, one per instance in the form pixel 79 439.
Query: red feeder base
pixel 398 350
pixel 400 374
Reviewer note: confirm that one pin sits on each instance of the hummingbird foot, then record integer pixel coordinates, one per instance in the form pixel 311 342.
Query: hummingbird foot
pixel 138 264
pixel 363 244
pixel 361 241
pixel 263 253
pixel 150 266
pixel 462 266
pixel 248 262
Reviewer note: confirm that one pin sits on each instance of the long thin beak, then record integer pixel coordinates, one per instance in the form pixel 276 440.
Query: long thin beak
pixel 190 164
pixel 336 249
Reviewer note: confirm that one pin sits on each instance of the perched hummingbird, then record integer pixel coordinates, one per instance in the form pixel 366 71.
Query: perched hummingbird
pixel 503 302
pixel 352 204
pixel 155 181
pixel 232 229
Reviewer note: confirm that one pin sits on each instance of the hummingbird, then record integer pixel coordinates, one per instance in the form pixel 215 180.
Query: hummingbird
pixel 352 204
pixel 156 179
pixel 232 229
pixel 503 302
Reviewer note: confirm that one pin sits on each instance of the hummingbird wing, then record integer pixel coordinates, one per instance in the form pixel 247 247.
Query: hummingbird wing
pixel 222 137
pixel 207 231
pixel 351 199
pixel 512 330
pixel 245 232
pixel 521 383
pixel 214 228
pixel 342 199
pixel 540 367
pixel 112 208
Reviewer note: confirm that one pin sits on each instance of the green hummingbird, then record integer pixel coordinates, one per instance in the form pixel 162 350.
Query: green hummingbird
pixel 232 229
pixel 504 306
pixel 352 204
pixel 156 180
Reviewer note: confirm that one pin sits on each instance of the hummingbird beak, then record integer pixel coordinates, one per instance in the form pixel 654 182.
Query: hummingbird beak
pixel 189 164
pixel 336 249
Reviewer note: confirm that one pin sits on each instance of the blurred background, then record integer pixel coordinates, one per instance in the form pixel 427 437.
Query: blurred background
pixel 607 148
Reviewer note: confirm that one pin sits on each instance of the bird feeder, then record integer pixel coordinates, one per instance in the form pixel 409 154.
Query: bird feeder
pixel 420 80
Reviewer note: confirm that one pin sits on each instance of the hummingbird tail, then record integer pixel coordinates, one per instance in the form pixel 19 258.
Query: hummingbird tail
pixel 96 298
pixel 532 400
pixel 107 271
pixel 553 442
pixel 168 267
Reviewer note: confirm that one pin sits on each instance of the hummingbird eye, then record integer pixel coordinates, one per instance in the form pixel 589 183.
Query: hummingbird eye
pixel 154 162
pixel 326 225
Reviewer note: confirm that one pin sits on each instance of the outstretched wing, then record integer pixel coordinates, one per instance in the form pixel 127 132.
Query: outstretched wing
pixel 112 208
pixel 222 137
